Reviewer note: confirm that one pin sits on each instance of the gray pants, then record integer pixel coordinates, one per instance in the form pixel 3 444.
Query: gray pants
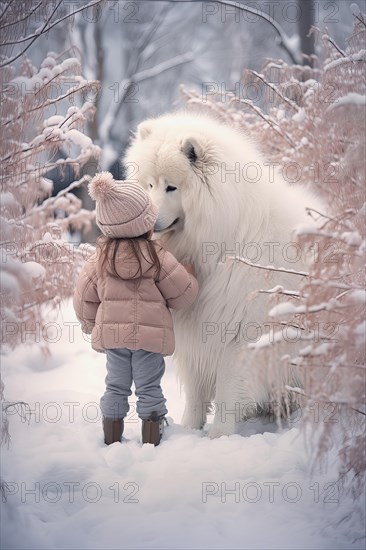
pixel 145 369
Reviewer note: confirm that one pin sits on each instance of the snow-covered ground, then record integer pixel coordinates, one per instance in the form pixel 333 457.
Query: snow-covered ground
pixel 66 489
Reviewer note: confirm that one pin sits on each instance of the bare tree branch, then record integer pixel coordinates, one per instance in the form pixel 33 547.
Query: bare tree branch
pixel 266 118
pixel 269 267
pixel 14 58
pixel 46 27
pixel 284 40
pixel 331 41
pixel 26 16
pixel 6 8
pixel 292 293
pixel 286 100
pixel 301 392
pixel 145 74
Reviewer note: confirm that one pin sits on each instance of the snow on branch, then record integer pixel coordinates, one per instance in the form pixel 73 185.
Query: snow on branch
pixel 268 267
pixel 323 137
pixel 272 123
pixel 285 99
pixel 352 98
pixel 345 60
pixel 39 264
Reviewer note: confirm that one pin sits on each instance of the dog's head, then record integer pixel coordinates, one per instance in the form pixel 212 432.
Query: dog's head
pixel 169 158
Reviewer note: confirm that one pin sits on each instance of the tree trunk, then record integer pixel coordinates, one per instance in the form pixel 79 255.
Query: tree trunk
pixel 306 20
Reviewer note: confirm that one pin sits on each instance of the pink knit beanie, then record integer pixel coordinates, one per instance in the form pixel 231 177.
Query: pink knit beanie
pixel 124 209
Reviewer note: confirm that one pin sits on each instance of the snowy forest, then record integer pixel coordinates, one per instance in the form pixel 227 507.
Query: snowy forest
pixel 77 79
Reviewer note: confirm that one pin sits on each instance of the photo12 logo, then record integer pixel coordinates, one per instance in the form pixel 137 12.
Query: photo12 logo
pixel 51 492
pixel 270 491
pixel 269 10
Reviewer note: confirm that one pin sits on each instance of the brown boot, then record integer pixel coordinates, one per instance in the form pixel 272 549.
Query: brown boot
pixel 152 429
pixel 113 430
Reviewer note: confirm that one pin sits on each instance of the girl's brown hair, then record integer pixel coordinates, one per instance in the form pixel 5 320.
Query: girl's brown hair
pixel 107 249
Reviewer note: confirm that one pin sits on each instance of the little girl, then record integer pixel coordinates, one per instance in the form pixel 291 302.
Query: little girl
pixel 122 297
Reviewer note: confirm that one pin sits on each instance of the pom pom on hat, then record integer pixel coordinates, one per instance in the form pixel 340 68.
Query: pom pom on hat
pixel 123 208
pixel 101 185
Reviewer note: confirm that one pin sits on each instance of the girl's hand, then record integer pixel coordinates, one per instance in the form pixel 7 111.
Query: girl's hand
pixel 190 269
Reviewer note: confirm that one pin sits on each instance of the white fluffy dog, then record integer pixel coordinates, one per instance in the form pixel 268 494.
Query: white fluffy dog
pixel 217 197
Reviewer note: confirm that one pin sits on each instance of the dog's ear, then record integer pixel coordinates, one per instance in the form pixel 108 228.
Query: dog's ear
pixel 192 149
pixel 144 129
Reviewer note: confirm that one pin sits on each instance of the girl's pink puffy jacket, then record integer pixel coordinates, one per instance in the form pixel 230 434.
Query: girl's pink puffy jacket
pixel 133 313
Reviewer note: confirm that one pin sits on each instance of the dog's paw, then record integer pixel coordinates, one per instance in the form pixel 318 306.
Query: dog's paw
pixel 220 429
pixel 193 421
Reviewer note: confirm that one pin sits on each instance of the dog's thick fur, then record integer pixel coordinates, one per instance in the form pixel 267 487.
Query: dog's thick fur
pixel 227 201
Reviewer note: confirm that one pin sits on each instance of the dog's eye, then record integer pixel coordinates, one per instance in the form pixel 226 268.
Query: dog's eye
pixel 150 185
pixel 170 188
